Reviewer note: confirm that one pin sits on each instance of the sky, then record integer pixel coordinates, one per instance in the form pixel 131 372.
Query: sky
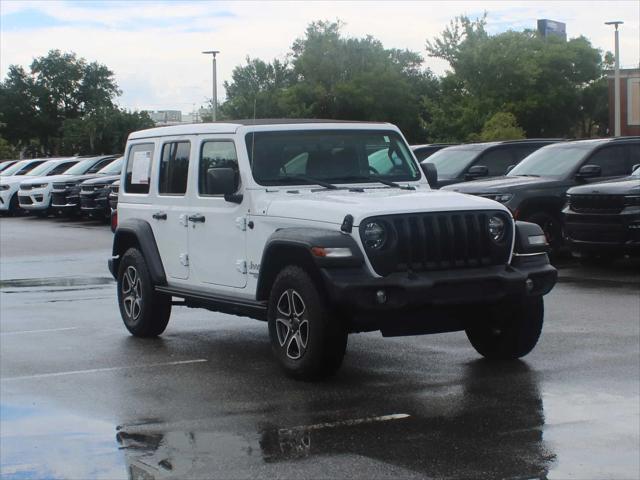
pixel 154 47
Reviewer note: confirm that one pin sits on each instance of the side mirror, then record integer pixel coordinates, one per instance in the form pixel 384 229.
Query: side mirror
pixel 476 171
pixel 509 168
pixel 221 181
pixel 589 171
pixel 431 172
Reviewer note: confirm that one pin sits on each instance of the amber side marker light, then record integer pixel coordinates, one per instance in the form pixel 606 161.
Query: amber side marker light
pixel 331 252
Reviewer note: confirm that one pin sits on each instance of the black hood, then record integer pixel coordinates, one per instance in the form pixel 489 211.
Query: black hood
pixel 101 179
pixel 622 186
pixel 503 184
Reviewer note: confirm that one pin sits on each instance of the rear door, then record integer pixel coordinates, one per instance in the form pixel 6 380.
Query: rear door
pixel 169 215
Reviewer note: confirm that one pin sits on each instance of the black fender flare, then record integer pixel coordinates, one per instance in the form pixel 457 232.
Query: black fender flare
pixel 293 246
pixel 138 233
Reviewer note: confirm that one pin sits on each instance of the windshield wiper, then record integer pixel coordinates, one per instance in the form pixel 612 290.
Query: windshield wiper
pixel 379 180
pixel 304 179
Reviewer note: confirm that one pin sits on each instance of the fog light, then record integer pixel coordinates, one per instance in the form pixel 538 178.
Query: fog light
pixel 381 297
pixel 529 284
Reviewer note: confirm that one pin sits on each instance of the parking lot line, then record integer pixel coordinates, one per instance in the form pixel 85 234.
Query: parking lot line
pixel 97 370
pixel 20 332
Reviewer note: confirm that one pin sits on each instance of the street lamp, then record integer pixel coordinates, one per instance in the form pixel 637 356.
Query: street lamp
pixel 214 99
pixel 616 87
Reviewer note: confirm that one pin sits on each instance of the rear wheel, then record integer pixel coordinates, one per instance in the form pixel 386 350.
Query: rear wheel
pixel 509 329
pixel 144 312
pixel 306 338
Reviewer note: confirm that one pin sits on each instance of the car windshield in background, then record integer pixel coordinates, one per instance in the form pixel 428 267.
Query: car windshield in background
pixel 351 156
pixel 113 168
pixel 13 169
pixel 81 167
pixel 551 161
pixel 41 169
pixel 450 162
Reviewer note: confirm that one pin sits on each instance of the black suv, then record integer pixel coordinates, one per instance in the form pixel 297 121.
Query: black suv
pixel 422 152
pixel 65 195
pixel 535 190
pixel 461 163
pixel 94 193
pixel 602 220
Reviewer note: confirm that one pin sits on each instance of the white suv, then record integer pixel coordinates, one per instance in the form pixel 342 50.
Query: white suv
pixel 321 228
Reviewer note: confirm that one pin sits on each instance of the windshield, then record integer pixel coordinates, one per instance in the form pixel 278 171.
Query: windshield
pixel 451 162
pixel 636 172
pixel 14 168
pixel 551 161
pixel 81 168
pixel 41 170
pixel 335 156
pixel 113 168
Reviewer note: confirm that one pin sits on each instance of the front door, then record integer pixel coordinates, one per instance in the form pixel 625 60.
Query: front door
pixel 217 236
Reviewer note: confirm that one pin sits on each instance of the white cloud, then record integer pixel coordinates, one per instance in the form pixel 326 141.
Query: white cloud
pixel 154 48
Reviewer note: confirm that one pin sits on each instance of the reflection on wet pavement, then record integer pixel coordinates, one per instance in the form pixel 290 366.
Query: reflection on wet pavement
pixel 484 431
pixel 55 282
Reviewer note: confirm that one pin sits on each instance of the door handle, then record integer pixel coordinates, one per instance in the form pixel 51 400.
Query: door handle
pixel 197 218
pixel 159 216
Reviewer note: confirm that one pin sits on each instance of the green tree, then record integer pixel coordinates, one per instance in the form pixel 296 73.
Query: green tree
pixel 101 131
pixel 501 126
pixel 548 84
pixel 59 87
pixel 332 76
pixel 6 150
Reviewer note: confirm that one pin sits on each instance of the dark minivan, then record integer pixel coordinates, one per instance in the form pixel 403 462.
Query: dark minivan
pixel 461 163
pixel 535 190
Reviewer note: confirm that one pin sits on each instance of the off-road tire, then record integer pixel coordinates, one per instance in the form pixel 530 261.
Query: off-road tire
pixel 296 303
pixel 507 330
pixel 144 312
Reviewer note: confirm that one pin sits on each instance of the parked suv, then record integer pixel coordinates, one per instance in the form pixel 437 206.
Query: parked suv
pixel 602 220
pixel 471 161
pixel 212 214
pixel 535 189
pixel 65 194
pixel 422 152
pixel 11 177
pixel 94 193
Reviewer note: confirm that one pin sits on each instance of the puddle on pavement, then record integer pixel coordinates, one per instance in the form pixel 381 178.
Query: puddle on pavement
pixel 55 282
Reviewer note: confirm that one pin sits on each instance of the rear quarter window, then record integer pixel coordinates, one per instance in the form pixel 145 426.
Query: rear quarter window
pixel 138 173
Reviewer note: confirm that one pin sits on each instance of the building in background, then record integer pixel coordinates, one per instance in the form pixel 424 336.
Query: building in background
pixel 548 28
pixel 629 101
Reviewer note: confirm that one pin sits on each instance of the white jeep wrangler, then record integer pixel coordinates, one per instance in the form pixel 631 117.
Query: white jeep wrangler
pixel 321 228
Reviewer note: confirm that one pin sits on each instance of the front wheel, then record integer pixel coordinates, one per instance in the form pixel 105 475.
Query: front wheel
pixel 308 341
pixel 508 330
pixel 144 312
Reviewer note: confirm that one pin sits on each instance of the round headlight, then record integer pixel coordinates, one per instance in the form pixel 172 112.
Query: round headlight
pixel 497 228
pixel 375 235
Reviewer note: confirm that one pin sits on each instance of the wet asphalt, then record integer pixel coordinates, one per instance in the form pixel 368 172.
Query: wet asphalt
pixel 81 399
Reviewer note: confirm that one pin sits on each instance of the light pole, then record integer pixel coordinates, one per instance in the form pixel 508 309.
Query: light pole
pixel 214 99
pixel 616 87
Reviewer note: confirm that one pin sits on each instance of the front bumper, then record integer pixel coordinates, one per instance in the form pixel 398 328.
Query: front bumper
pixel 34 199
pixel 5 199
pixel 95 204
pixel 603 233
pixel 443 298
pixel 65 201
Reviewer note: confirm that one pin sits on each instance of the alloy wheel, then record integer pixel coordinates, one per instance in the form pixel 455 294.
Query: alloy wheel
pixel 132 293
pixel 292 325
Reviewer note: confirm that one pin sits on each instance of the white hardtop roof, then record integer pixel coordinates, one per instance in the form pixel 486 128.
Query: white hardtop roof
pixel 252 125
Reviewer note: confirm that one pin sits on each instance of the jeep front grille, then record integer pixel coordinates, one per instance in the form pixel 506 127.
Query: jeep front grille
pixel 596 203
pixel 439 241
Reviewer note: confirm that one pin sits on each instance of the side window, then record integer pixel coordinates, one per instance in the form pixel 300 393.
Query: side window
pixel 497 161
pixel 174 168
pixel 633 155
pixel 29 167
pixel 138 168
pixel 216 158
pixel 611 159
pixel 58 169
